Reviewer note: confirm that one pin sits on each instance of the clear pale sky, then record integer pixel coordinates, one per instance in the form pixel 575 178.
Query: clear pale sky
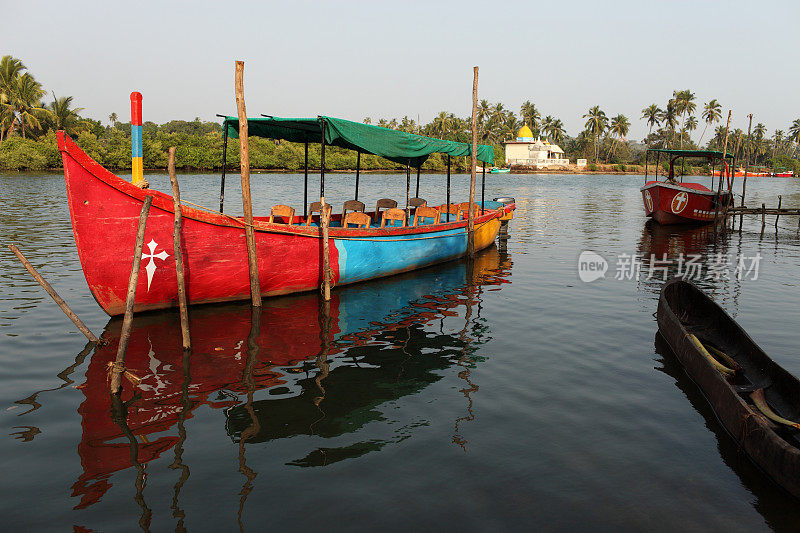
pixel 355 59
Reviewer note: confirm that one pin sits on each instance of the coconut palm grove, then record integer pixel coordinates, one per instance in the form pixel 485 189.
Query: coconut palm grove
pixel 30 115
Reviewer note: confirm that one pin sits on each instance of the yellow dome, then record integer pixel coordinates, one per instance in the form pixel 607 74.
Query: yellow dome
pixel 525 132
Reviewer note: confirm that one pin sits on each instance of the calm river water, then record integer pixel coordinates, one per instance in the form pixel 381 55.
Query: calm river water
pixel 503 394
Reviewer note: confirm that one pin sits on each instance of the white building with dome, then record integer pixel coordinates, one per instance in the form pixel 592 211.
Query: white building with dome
pixel 528 151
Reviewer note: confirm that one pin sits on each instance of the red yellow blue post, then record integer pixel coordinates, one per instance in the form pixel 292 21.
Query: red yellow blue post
pixel 137 169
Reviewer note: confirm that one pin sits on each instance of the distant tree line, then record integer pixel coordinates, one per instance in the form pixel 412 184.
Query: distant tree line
pixel 28 122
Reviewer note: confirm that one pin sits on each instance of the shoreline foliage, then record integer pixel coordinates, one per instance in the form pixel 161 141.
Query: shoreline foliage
pixel 28 142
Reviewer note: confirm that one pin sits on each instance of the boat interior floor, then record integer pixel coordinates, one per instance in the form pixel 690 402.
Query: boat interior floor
pixel 749 380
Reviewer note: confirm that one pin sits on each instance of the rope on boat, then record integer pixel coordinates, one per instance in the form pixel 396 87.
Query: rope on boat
pixel 312 236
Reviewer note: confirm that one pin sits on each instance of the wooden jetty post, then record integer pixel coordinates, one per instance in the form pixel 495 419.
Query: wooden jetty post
pixel 778 214
pixel 244 153
pixel 763 218
pixel 721 174
pixel 178 251
pixel 54 295
pixel 127 321
pixel 746 165
pixel 471 223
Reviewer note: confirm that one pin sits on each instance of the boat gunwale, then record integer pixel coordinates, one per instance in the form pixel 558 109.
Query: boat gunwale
pixel 679 187
pixel 165 202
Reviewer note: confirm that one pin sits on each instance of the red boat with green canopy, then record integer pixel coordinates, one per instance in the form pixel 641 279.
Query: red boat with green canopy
pixel 363 244
pixel 675 201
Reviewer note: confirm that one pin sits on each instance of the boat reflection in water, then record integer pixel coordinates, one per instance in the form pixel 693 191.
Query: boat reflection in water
pixel 315 371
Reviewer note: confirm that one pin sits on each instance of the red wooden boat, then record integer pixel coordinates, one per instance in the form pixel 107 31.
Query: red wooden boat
pixel 678 202
pixel 104 210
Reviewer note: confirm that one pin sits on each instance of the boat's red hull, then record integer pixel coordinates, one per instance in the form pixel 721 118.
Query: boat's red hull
pixel 680 203
pixel 105 211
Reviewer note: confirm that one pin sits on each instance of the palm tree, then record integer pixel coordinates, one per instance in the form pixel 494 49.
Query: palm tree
pixel 509 126
pixel 10 70
pixel 546 124
pixel 684 101
pixel 670 118
pixel 778 138
pixel 556 131
pixel 596 125
pixel 759 131
pixel 619 129
pixel 113 119
pixel 652 115
pixel 794 134
pixel 530 116
pixel 691 125
pixel 367 120
pixel 483 114
pixel 24 102
pixel 712 112
pixel 63 117
pixel 441 124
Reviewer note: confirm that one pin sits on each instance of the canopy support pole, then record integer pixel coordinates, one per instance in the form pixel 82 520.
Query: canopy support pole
pixel 224 162
pixel 358 170
pixel 322 163
pixel 448 187
pixel 646 153
pixel 417 193
pixel 305 182
pixel 408 189
pixel 483 185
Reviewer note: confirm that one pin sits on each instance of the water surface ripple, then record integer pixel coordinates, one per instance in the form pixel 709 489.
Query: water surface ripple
pixel 500 394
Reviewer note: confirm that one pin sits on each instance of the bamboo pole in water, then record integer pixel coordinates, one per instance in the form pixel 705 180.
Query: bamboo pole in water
pixel 244 153
pixel 127 321
pixel 178 250
pixel 54 295
pixel 471 223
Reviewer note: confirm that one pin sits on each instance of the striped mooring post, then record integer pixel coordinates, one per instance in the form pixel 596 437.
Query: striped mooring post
pixel 137 170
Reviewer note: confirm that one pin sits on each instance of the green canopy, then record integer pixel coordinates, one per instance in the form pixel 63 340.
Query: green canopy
pixel 711 154
pixel 397 146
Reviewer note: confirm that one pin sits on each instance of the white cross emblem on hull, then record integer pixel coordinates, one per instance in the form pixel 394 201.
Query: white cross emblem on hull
pixel 152 256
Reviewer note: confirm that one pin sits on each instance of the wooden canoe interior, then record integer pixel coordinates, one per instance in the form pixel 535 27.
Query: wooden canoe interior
pixel 701 316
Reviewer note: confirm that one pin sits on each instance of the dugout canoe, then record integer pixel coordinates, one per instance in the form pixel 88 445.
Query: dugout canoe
pixel 750 400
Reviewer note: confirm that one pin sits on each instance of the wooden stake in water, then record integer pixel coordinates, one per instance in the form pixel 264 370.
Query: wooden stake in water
pixel 54 295
pixel 778 214
pixel 325 220
pixel 127 321
pixel 721 174
pixel 176 244
pixel 244 153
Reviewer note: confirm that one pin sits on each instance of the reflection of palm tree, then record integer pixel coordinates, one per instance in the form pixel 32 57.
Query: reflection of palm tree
pixel 712 112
